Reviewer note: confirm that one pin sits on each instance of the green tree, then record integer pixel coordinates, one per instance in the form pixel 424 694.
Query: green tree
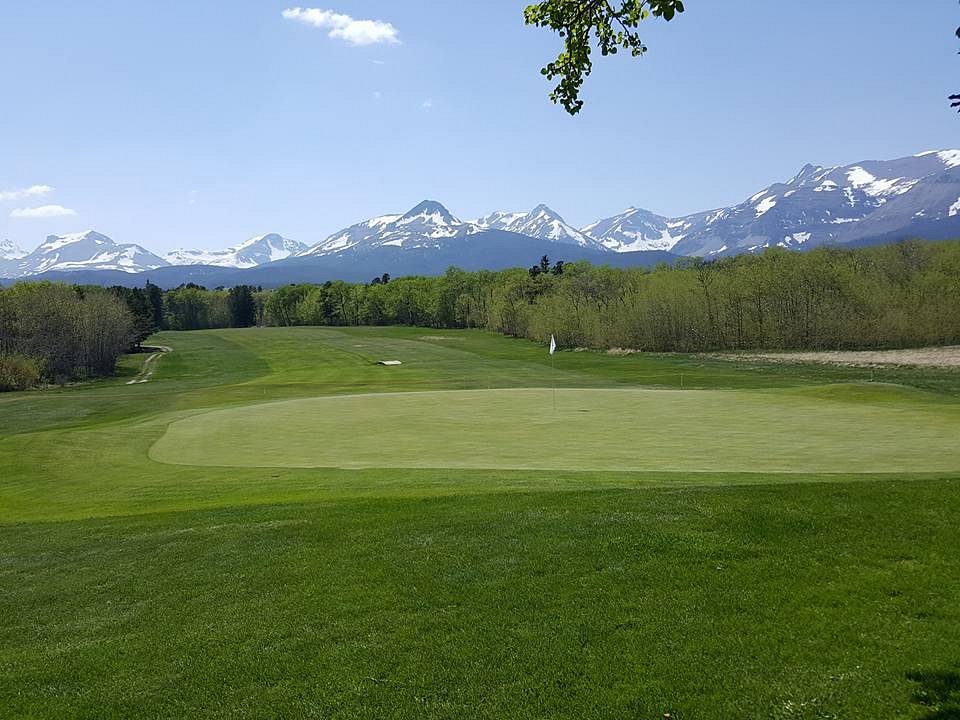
pixel 281 307
pixel 141 309
pixel 155 297
pixel 612 22
pixel 242 307
pixel 187 308
pixel 57 332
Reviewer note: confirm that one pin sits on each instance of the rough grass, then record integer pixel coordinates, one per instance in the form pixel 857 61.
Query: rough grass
pixel 132 588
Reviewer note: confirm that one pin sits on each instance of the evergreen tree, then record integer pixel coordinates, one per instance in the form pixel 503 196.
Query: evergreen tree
pixel 155 297
pixel 140 310
pixel 242 307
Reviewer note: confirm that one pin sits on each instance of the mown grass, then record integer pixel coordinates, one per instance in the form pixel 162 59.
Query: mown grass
pixel 131 588
pixel 596 429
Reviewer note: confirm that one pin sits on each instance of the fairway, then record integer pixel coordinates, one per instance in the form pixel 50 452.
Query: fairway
pixel 590 429
pixel 274 526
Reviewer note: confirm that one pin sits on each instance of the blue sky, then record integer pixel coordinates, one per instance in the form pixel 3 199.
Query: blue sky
pixel 180 123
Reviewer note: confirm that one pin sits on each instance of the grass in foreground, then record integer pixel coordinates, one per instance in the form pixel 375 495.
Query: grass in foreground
pixel 131 588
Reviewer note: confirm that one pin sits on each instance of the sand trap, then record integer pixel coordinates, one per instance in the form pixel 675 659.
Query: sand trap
pixel 927 357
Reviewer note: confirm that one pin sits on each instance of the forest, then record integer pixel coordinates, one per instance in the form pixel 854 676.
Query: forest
pixel 53 332
pixel 898 295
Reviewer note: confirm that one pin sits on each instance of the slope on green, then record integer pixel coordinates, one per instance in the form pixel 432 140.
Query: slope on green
pixel 596 429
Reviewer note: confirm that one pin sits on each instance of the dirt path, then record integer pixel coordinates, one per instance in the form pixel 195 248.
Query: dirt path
pixel 146 372
pixel 927 357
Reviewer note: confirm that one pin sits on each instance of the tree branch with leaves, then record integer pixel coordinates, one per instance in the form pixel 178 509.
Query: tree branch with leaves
pixel 613 23
pixel 955 99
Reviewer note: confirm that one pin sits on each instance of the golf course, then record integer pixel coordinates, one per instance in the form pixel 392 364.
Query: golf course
pixel 267 523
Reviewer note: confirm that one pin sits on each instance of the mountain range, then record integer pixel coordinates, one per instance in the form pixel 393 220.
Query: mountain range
pixel 255 251
pixel 81 251
pixel 863 203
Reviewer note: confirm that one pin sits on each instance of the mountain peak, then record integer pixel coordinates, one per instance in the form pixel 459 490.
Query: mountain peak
pixel 542 223
pixel 256 251
pixel 88 250
pixel 428 208
pixel 806 173
pixel 9 250
pixel 949 157
pixel 268 239
pixel 54 242
pixel 635 229
pixel 428 224
pixel 83 235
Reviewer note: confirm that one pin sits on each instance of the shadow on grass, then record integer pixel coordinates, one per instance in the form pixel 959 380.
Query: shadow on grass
pixel 939 692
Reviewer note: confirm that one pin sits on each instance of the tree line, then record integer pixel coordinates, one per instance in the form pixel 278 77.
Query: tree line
pixel 53 332
pixel 895 295
pixel 904 294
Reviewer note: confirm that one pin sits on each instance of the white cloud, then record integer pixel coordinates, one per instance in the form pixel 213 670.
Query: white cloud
pixel 32 191
pixel 343 27
pixel 44 211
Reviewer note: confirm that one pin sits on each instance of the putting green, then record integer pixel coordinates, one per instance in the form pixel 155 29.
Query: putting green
pixel 627 430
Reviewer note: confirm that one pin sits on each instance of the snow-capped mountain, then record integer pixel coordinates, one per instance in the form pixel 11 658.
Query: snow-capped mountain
pixel 9 250
pixel 81 251
pixel 636 229
pixel 428 225
pixel 541 222
pixel 849 204
pixel 832 205
pixel 255 251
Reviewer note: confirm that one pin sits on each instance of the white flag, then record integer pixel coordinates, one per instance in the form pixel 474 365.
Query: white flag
pixel 553 345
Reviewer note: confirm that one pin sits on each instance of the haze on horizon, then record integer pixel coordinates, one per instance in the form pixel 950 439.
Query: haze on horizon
pixel 200 126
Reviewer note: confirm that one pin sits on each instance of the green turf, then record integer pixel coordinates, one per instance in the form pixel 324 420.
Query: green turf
pixel 597 429
pixel 136 588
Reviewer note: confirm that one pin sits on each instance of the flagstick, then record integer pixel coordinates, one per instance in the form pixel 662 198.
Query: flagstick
pixel 553 373
pixel 553 369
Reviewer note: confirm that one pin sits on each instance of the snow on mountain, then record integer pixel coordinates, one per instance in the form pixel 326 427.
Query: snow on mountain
pixel 847 204
pixel 81 251
pixel 541 222
pixel 427 225
pixel 255 251
pixel 836 205
pixel 9 250
pixel 865 202
pixel 636 229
